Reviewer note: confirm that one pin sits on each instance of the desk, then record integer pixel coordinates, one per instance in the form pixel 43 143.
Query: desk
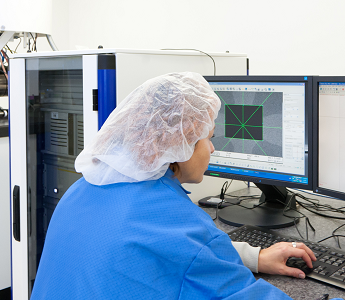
pixel 300 288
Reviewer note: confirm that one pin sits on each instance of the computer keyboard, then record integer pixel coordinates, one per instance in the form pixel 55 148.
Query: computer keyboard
pixel 329 267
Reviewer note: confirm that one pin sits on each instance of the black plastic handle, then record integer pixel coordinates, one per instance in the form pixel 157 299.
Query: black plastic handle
pixel 95 100
pixel 16 213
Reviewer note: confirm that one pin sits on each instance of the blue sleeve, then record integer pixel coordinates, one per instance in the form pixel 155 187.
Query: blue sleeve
pixel 217 272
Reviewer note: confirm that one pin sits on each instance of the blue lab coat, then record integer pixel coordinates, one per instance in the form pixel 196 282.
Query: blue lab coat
pixel 143 240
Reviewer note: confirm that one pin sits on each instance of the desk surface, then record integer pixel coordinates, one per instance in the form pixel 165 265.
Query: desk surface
pixel 300 288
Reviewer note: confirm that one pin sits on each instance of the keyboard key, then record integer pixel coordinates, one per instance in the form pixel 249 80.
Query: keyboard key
pixel 323 273
pixel 337 277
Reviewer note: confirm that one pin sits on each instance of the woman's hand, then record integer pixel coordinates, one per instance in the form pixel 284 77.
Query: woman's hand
pixel 273 259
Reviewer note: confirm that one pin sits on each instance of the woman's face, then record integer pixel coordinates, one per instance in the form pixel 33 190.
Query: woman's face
pixel 192 170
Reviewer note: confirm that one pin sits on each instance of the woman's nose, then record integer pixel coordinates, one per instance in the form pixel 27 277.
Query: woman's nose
pixel 212 147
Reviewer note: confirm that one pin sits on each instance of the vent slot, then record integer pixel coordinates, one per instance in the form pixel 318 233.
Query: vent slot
pixel 59 132
pixel 80 133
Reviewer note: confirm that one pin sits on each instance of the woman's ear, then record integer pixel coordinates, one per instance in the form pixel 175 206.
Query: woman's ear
pixel 175 168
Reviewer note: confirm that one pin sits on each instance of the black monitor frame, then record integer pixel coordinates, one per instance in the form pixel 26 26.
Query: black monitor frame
pixel 316 187
pixel 270 214
pixel 309 127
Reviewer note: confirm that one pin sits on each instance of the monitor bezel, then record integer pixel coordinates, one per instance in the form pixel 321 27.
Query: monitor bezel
pixel 308 80
pixel 316 187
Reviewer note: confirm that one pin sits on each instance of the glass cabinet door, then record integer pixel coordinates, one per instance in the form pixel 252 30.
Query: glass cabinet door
pixel 54 103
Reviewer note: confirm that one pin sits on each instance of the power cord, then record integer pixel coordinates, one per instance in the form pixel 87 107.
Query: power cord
pixel 314 206
pixel 214 63
pixel 223 190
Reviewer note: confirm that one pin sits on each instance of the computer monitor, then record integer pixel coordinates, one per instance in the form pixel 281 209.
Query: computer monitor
pixel 329 140
pixel 263 134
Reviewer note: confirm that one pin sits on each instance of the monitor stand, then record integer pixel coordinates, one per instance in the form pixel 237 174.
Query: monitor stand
pixel 276 209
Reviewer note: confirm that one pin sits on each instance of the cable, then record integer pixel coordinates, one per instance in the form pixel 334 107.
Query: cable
pixel 336 235
pixel 307 221
pixel 238 204
pixel 34 39
pixel 18 44
pixel 3 67
pixel 51 42
pixel 214 63
pixel 314 206
pixel 223 190
pixel 36 42
pixel 248 197
pixel 9 49
pixel 5 56
pixel 323 215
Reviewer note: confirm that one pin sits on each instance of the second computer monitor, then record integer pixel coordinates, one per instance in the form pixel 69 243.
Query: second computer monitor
pixel 329 138
pixel 263 133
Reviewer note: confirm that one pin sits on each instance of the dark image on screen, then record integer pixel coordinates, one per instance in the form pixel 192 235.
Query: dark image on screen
pixel 250 122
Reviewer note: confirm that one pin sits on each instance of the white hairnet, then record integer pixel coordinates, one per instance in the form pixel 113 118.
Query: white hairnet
pixel 157 124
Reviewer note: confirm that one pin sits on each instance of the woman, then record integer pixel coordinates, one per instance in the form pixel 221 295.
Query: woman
pixel 127 229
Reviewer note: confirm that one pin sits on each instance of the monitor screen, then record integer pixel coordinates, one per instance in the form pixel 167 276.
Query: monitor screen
pixel 263 130
pixel 329 103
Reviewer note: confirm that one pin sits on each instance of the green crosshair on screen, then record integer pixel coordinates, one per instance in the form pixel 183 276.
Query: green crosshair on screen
pixel 244 122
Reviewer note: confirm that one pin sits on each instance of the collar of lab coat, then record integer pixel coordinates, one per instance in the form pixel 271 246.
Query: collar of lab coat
pixel 171 180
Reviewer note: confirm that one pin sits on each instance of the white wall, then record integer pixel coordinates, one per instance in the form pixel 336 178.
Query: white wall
pixel 295 37
pixel 23 15
pixel 280 37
